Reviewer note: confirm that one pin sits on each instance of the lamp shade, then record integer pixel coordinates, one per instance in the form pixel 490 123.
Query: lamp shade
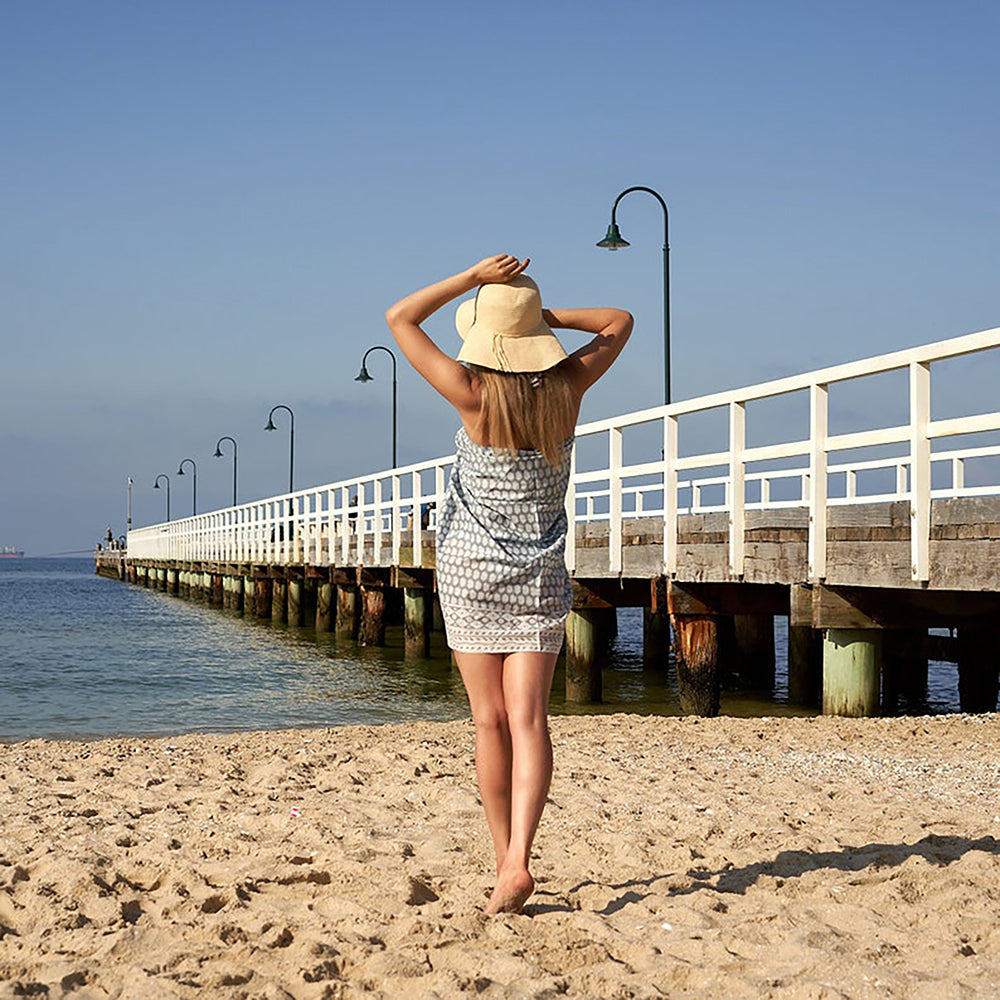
pixel 613 239
pixel 363 375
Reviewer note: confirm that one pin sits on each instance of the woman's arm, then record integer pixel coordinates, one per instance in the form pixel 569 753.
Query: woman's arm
pixel 612 328
pixel 443 372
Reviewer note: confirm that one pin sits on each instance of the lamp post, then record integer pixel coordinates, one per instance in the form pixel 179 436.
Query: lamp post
pixel 156 486
pixel 218 454
pixel 363 376
pixel 613 240
pixel 194 483
pixel 291 440
pixel 128 503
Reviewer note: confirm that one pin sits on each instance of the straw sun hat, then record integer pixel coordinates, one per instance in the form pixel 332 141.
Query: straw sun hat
pixel 503 328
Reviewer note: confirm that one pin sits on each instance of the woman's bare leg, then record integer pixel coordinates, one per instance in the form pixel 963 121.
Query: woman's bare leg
pixel 527 681
pixel 482 674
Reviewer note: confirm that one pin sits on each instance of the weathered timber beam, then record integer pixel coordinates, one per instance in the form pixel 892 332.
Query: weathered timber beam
pixel 874 607
pixel 373 576
pixel 412 577
pixel 727 598
pixel 611 592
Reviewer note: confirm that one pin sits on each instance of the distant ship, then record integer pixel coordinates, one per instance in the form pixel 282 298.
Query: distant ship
pixel 9 552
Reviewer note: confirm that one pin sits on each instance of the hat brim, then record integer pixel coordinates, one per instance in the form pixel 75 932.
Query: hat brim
pixel 533 351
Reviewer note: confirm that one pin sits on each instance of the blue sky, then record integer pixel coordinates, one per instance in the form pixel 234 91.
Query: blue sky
pixel 208 206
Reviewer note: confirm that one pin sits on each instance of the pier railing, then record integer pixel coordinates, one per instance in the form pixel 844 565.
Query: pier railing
pixel 665 472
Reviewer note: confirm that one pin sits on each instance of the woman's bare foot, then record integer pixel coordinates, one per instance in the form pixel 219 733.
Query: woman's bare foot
pixel 511 892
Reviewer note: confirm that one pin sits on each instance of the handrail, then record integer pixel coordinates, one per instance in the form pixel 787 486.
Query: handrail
pixel 374 518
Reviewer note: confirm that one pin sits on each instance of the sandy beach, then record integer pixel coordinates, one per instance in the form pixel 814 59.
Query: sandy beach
pixel 811 858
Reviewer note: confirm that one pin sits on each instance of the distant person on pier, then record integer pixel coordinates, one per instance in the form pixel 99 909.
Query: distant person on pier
pixel 501 571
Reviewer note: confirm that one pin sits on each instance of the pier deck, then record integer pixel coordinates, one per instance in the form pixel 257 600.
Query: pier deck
pixel 853 533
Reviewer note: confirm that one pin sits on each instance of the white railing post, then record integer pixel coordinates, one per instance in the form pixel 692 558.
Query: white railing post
pixel 737 486
pixel 670 498
pixel 377 524
pixel 571 512
pixel 397 519
pixel 615 499
pixel 920 469
pixel 958 474
pixel 416 516
pixel 346 525
pixel 359 524
pixel 818 427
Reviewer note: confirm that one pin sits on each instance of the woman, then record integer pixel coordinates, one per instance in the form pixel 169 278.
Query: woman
pixel 501 573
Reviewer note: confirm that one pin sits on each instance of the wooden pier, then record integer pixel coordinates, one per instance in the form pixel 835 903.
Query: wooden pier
pixel 863 551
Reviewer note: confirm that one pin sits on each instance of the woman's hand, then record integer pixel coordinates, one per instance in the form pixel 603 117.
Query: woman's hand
pixel 498 269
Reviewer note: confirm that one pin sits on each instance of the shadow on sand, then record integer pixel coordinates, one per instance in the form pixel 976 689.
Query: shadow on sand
pixel 936 849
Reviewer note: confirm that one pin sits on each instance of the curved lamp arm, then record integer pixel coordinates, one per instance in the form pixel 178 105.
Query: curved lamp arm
pixel 363 376
pixel 291 440
pixel 194 483
pixel 614 240
pixel 218 454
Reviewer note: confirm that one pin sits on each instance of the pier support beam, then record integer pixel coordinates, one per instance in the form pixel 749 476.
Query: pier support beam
pixel 279 600
pixel 216 592
pixel 589 632
pixel 754 654
pixel 418 616
pixel 978 662
pixel 262 597
pixel 348 610
pixel 697 651
pixel 655 638
pixel 371 631
pixel 173 583
pixel 238 593
pixel 904 669
pixel 324 606
pixel 296 609
pixel 805 665
pixel 852 659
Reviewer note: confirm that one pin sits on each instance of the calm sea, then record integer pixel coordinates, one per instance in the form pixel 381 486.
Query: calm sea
pixel 82 656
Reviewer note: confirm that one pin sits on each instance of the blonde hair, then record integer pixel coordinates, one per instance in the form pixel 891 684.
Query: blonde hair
pixel 526 410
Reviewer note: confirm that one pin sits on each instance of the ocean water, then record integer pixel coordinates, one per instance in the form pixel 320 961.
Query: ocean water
pixel 82 656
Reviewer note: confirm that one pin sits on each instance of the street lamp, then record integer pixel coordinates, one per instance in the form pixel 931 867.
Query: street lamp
pixel 613 240
pixel 363 376
pixel 291 439
pixel 156 486
pixel 128 503
pixel 218 454
pixel 194 484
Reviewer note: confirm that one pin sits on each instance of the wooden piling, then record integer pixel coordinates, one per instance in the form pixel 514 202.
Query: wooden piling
pixel 852 659
pixel 697 654
pixel 418 617
pixel 805 665
pixel 262 597
pixel 173 584
pixel 279 600
pixel 588 635
pixel 236 582
pixel 904 668
pixel 348 610
pixel 296 608
pixel 978 662
pixel 324 606
pixel 216 597
pixel 655 638
pixel 371 630
pixel 754 653
pixel 249 595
